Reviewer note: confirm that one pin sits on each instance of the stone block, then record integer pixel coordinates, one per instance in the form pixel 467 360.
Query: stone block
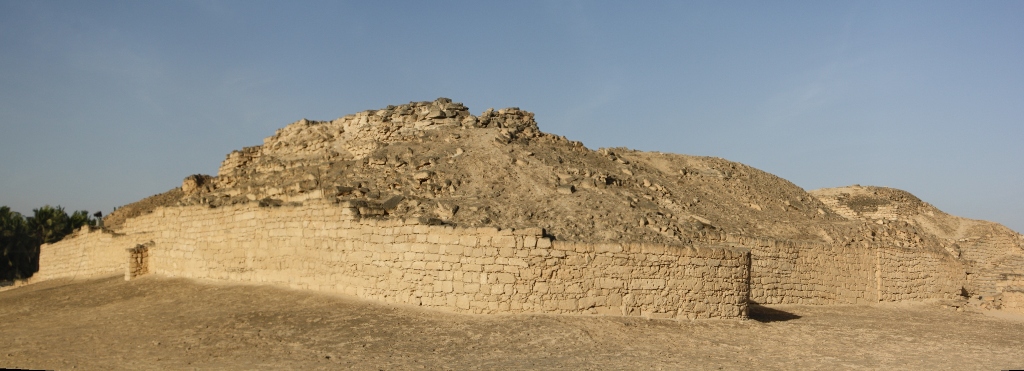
pixel 529 242
pixel 470 240
pixel 540 287
pixel 609 283
pixel 487 231
pixel 569 305
pixel 504 241
pixel 505 278
pixel 647 284
pixel 608 248
pixel 462 302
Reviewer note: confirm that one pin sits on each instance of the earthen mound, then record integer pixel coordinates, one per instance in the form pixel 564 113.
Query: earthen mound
pixel 436 160
pixel 992 253
pixel 141 207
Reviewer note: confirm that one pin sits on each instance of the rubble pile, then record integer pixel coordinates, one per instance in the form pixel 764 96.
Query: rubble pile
pixel 438 161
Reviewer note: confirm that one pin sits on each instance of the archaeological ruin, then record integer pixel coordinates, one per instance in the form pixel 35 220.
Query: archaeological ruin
pixel 426 204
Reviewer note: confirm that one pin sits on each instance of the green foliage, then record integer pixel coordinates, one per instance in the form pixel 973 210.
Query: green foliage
pixel 20 237
pixel 49 224
pixel 12 224
pixel 80 218
pixel 15 244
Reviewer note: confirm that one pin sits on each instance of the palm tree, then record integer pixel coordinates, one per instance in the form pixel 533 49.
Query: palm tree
pixel 80 218
pixel 20 237
pixel 14 243
pixel 49 224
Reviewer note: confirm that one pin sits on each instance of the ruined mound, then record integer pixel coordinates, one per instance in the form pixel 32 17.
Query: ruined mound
pixel 437 160
pixel 882 205
pixel 992 253
pixel 144 206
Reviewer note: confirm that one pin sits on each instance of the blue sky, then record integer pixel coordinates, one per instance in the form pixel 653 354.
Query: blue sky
pixel 104 103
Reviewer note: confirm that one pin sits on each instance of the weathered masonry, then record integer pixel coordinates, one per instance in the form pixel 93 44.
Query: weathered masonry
pixel 323 247
pixel 787 272
pixel 472 270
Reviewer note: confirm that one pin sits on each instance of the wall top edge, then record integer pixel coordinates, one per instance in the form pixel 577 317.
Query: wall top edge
pixel 87 230
pixel 252 210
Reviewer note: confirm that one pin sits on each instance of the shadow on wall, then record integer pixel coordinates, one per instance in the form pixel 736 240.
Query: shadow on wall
pixel 764 314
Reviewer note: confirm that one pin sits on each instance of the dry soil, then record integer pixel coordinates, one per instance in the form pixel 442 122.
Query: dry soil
pixel 163 323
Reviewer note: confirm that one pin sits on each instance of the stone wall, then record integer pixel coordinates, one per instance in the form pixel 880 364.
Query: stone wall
pixel 992 257
pixel 86 253
pixel 1013 300
pixel 138 261
pixel 647 280
pixel 327 247
pixel 1010 287
pixel 472 270
pixel 914 274
pixel 787 272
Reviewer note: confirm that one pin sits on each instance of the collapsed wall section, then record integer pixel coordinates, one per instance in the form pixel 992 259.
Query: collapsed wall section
pixel 138 261
pixel 471 270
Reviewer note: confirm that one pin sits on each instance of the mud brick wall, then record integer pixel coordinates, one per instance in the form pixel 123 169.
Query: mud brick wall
pixel 471 270
pixel 88 252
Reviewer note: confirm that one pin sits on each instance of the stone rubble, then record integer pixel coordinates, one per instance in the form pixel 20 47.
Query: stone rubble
pixel 435 161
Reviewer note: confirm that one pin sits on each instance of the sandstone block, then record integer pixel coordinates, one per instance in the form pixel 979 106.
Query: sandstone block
pixel 504 241
pixel 609 283
pixel 462 302
pixel 608 248
pixel 568 305
pixel 487 231
pixel 529 242
pixel 505 278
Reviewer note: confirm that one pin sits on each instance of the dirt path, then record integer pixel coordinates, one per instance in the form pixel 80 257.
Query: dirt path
pixel 161 323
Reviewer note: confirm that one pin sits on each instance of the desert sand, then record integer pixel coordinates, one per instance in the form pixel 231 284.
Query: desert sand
pixel 161 323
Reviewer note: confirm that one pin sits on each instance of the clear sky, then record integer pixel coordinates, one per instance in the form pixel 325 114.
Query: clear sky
pixel 104 103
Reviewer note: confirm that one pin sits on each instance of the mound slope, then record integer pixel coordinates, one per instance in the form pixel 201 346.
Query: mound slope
pixel 992 253
pixel 437 160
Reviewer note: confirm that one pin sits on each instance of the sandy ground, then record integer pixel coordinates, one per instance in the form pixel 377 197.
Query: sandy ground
pixel 162 323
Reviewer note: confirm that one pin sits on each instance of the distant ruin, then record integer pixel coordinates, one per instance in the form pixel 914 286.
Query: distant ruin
pixel 426 204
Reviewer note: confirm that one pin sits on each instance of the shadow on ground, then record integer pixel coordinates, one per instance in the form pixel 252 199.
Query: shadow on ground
pixel 765 314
